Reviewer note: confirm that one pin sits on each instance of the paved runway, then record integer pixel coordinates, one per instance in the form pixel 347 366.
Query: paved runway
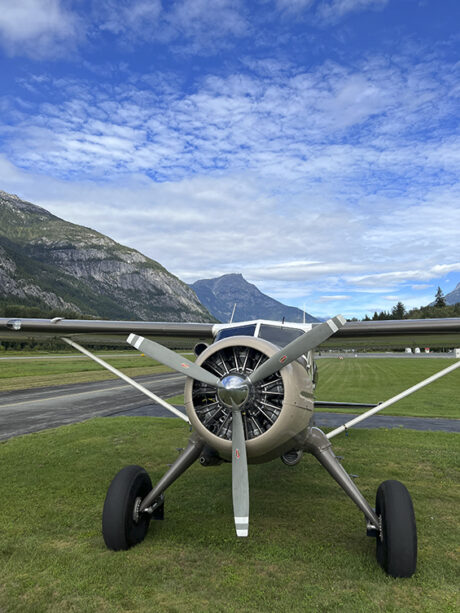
pixel 25 411
pixel 31 410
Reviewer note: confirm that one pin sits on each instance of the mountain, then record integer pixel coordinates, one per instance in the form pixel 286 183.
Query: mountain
pixel 220 294
pixel 454 296
pixel 56 265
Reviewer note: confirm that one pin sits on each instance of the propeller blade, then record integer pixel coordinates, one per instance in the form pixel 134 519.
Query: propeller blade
pixel 240 482
pixel 297 347
pixel 173 360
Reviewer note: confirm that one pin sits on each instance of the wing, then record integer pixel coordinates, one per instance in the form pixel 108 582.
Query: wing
pixel 398 333
pixel 395 333
pixel 99 331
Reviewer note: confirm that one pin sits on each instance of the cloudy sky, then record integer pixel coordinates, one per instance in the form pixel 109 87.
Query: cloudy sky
pixel 312 145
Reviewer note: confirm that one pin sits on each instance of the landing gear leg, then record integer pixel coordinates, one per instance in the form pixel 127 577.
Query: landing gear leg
pixel 392 522
pixel 131 502
pixel 319 445
pixel 191 453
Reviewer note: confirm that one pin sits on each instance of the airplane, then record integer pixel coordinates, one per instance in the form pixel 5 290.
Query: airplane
pixel 249 398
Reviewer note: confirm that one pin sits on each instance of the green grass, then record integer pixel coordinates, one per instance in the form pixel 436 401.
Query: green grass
pixel 374 380
pixel 307 549
pixel 25 374
pixel 179 399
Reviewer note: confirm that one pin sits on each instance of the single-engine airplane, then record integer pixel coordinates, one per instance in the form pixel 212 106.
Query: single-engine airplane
pixel 249 398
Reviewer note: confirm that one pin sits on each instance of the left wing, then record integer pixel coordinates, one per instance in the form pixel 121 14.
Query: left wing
pixel 98 331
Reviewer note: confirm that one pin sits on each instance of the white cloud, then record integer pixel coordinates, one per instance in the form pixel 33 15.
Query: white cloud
pixel 292 128
pixel 406 276
pixel 38 28
pixel 133 16
pixel 191 26
pixel 333 10
pixel 334 298
pixel 293 6
pixel 130 17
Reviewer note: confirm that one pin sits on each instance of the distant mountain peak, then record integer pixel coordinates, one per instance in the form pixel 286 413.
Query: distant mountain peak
pixel 53 264
pixel 454 296
pixel 220 294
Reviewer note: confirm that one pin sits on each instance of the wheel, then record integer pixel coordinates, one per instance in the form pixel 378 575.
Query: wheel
pixel 397 542
pixel 292 457
pixel 119 527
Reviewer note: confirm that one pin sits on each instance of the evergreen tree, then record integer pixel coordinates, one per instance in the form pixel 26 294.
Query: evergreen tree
pixel 398 311
pixel 439 298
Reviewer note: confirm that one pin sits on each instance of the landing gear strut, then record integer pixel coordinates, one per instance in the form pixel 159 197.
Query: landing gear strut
pixel 392 522
pixel 131 502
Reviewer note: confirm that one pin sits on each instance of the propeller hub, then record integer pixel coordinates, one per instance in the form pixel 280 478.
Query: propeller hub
pixel 233 391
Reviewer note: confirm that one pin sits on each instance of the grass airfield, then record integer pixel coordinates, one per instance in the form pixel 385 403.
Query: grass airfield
pixel 307 549
pixel 376 380
pixel 350 380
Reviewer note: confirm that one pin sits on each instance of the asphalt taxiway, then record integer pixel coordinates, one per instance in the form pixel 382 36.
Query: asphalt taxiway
pixel 26 411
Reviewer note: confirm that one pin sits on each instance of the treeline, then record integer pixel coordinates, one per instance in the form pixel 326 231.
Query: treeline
pixel 9 309
pixel 438 310
pixel 42 311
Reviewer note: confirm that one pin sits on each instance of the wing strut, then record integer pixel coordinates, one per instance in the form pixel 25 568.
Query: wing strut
pixel 387 403
pixel 139 387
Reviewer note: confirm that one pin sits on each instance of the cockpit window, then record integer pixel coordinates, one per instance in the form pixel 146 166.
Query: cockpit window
pixel 237 331
pixel 279 336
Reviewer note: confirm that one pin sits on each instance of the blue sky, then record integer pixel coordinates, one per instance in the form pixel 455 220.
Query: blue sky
pixel 312 145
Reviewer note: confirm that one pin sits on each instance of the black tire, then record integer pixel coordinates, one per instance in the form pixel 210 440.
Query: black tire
pixel 292 457
pixel 397 545
pixel 119 529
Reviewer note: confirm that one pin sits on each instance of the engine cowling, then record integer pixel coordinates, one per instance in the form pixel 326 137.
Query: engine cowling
pixel 279 408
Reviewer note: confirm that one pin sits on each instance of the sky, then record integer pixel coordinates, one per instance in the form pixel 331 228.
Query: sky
pixel 311 145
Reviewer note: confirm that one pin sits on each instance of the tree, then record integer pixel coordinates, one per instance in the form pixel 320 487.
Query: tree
pixel 439 298
pixel 398 311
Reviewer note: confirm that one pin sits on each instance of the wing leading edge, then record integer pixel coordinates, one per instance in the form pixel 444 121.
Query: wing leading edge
pixel 98 330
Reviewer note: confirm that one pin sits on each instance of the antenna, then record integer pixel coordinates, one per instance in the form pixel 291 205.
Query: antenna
pixel 233 313
pixel 303 313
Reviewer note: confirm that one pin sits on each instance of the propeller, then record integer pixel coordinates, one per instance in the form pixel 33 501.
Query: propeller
pixel 233 391
pixel 240 481
pixel 309 340
pixel 173 360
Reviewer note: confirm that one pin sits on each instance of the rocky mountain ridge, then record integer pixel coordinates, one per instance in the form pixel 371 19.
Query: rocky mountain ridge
pixel 220 294
pixel 453 297
pixel 48 262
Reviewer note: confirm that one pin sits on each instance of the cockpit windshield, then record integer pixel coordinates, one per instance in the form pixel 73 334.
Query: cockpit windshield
pixel 279 335
pixel 237 331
